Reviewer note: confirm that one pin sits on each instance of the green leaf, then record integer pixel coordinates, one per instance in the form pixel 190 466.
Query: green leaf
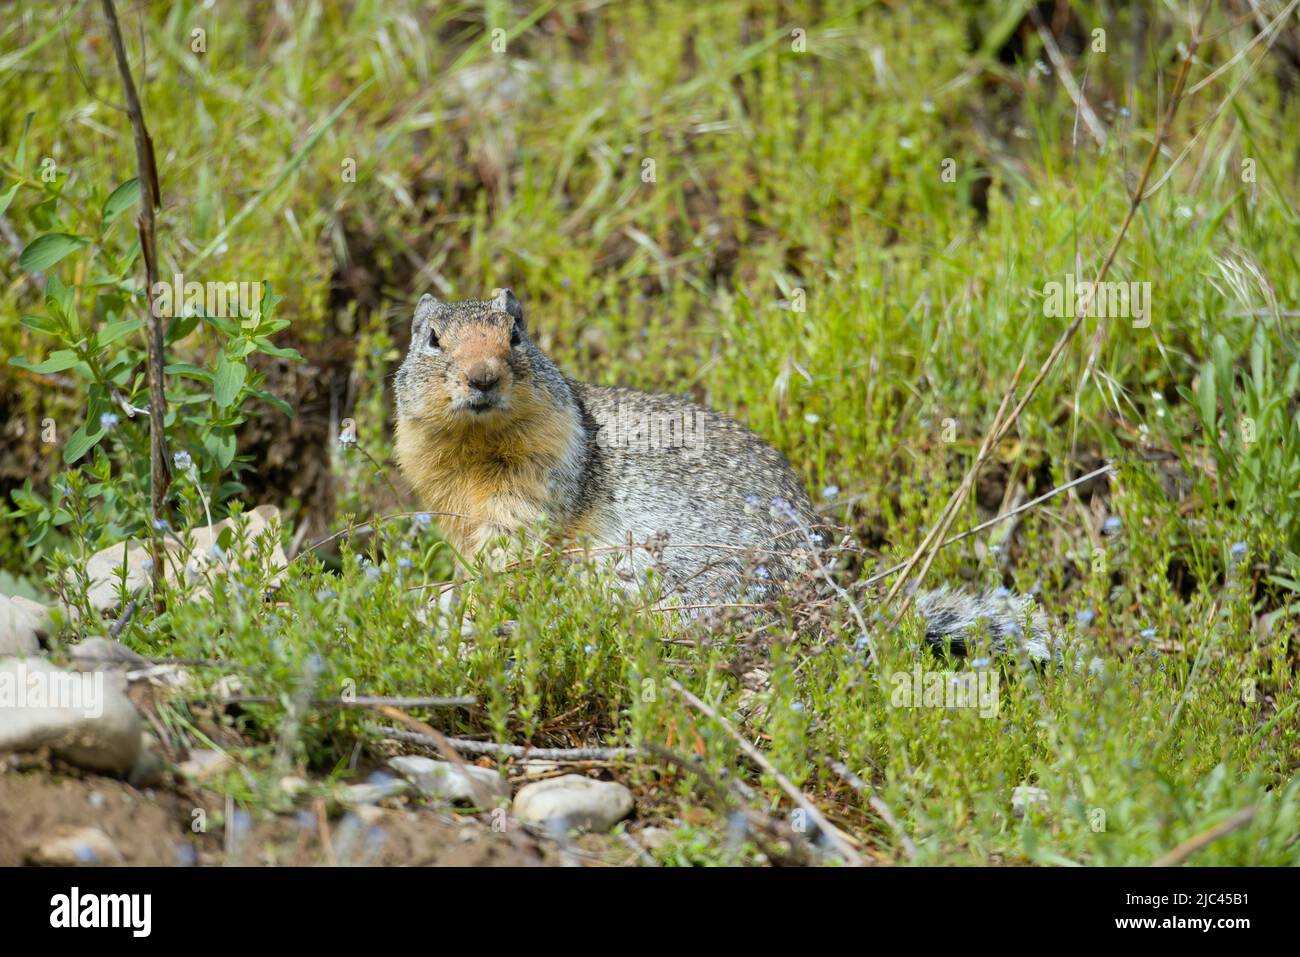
pixel 227 327
pixel 1205 396
pixel 116 330
pixel 47 250
pixel 221 446
pixel 179 328
pixel 83 440
pixel 121 199
pixel 20 155
pixel 47 324
pixel 228 381
pixel 265 347
pixel 8 197
pixel 189 370
pixel 58 361
pixel 274 400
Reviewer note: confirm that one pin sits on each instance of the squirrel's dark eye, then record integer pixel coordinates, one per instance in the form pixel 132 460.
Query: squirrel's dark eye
pixel 514 335
pixel 433 338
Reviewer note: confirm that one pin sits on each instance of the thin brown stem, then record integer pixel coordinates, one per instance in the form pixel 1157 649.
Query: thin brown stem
pixel 150 200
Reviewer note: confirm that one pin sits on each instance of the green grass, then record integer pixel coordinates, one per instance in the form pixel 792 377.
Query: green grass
pixel 777 175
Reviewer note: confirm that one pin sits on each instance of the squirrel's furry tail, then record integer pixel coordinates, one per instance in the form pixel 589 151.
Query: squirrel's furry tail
pixel 1010 621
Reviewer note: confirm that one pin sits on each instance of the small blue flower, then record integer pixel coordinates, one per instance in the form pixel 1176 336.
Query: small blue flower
pixel 783 509
pixel 797 707
pixel 423 519
pixel 1085 617
pixel 1112 525
pixel 1148 632
pixel 589 649
pixel 161 525
pixel 978 663
pixel 830 491
pixel 1238 551
pixel 241 822
pixel 183 461
pixel 185 855
pixel 108 420
pixel 1001 592
pixel 404 564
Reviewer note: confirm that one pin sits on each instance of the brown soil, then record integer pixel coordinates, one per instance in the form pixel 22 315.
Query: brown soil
pixel 153 828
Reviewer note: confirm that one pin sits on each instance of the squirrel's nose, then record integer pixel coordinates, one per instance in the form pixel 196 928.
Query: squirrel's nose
pixel 483 377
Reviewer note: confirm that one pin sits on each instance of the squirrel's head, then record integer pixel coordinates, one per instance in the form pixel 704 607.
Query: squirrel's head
pixel 470 363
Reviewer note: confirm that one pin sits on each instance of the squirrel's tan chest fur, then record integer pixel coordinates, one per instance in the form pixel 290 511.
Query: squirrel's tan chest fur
pixel 492 482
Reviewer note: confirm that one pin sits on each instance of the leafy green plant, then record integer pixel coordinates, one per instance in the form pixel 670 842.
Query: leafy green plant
pixel 1252 434
pixel 93 330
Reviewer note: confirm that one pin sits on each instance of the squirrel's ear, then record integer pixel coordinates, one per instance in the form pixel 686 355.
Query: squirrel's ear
pixel 505 300
pixel 424 309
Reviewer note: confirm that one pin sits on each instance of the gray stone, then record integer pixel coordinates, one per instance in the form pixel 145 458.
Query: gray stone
pixel 104 572
pixel 147 772
pixel 85 718
pixel 372 792
pixel 444 781
pixel 71 846
pixel 653 838
pixel 98 653
pixel 23 623
pixel 1024 798
pixel 578 802
pixel 204 764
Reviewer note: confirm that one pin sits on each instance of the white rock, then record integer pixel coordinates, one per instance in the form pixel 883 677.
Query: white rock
pixel 531 768
pixel 1025 797
pixel 228 686
pixel 105 567
pixel 653 838
pixel 372 792
pixel 85 718
pixel 104 571
pixel 204 764
pixel 22 624
pixel 577 801
pixel 444 781
pixel 72 846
